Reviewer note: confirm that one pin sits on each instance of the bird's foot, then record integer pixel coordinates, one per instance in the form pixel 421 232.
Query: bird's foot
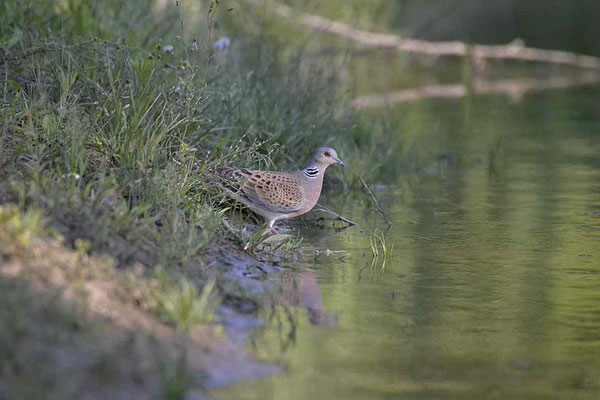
pixel 280 230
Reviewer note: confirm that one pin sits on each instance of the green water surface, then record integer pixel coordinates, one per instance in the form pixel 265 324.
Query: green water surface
pixel 493 290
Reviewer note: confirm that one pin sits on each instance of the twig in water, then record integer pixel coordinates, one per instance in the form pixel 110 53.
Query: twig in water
pixel 329 252
pixel 336 215
pixel 377 206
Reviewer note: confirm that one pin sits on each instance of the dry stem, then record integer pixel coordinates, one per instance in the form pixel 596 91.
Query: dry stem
pixel 377 206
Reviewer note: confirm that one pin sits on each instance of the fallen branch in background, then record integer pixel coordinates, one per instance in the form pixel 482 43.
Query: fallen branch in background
pixel 515 50
pixel 515 89
pixel 377 206
pixel 336 215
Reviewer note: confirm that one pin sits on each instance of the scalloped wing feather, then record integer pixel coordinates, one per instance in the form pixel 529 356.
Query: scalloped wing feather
pixel 276 192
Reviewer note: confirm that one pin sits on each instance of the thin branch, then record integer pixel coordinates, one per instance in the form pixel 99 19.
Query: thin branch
pixel 336 215
pixel 377 206
pixel 514 50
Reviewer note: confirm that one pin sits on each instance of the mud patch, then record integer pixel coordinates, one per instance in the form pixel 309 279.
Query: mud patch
pixel 110 332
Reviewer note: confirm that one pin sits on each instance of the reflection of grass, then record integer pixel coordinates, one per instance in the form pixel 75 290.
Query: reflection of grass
pixel 380 248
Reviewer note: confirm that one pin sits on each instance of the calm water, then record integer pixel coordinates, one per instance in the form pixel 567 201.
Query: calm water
pixel 494 287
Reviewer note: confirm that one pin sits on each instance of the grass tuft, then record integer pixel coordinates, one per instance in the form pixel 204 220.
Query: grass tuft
pixel 178 302
pixel 380 248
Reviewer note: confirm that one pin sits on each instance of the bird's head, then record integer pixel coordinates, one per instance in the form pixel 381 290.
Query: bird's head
pixel 326 156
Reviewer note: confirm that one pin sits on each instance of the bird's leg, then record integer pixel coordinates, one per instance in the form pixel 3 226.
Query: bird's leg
pixel 272 228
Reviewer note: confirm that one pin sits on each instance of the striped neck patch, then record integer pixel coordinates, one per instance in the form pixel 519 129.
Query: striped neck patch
pixel 311 172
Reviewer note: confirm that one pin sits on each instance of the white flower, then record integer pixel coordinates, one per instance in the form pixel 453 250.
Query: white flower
pixel 72 175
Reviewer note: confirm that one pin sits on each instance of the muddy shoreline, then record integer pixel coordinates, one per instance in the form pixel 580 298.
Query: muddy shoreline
pixel 213 355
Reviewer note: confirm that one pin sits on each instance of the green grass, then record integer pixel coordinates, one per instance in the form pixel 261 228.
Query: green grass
pixel 24 226
pixel 102 129
pixel 90 132
pixel 110 138
pixel 178 301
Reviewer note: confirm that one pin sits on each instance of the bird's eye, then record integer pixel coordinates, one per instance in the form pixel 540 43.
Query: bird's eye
pixel 327 154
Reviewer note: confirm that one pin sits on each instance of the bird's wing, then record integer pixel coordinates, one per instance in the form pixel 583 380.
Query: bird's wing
pixel 274 191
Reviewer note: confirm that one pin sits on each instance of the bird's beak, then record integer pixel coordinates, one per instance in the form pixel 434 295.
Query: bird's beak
pixel 337 160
